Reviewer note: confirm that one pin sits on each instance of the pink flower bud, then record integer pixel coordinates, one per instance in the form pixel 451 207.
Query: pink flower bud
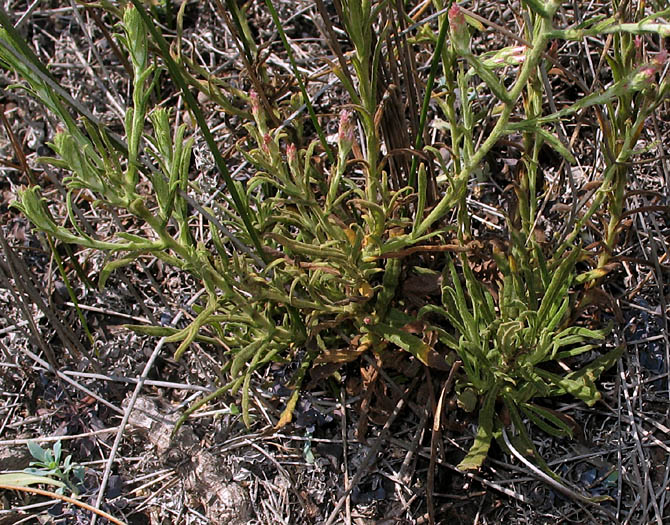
pixel 647 73
pixel 267 140
pixel 649 70
pixel 456 17
pixel 346 131
pixel 458 28
pixel 508 56
pixel 661 58
pixel 255 104
pixel 290 152
pixel 257 112
pixel 345 135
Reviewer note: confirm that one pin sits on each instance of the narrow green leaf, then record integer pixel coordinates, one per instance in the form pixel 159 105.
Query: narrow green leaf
pixel 194 106
pixel 558 286
pixel 546 420
pixel 114 265
pixel 556 144
pixel 480 448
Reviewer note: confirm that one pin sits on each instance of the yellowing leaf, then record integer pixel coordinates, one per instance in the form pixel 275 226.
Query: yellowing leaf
pixel 340 355
pixel 366 290
pixel 23 479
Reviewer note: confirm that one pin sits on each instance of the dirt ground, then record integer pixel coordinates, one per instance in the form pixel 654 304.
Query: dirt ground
pixel 113 398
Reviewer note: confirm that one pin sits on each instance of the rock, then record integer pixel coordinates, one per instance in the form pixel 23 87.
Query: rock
pixel 14 458
pixel 208 480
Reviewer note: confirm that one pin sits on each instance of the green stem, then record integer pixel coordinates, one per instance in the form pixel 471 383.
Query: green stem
pixel 437 56
pixel 193 105
pixel 530 64
pixel 301 84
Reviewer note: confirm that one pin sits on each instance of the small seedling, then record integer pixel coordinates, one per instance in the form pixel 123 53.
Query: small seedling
pixel 48 464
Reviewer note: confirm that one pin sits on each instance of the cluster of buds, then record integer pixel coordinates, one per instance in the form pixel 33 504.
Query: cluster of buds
pixel 292 158
pixel 656 65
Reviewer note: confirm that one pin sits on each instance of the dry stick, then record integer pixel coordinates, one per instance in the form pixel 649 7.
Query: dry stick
pixel 283 472
pixel 13 327
pixel 11 408
pixel 412 451
pixel 436 436
pixel 664 320
pixel 85 506
pixel 110 40
pixel 489 484
pixel 150 382
pixel 65 378
pixel 620 433
pixel 27 14
pixel 51 439
pixel 347 509
pixel 661 156
pixel 535 471
pixel 16 146
pixel 644 281
pixel 23 281
pixel 121 111
pixel 129 409
pixel 163 475
pixel 111 313
pixel 663 489
pixel 157 493
pixel 122 426
pixel 372 453
pixel 640 453
pixel 20 300
pixel 660 284
pixel 666 172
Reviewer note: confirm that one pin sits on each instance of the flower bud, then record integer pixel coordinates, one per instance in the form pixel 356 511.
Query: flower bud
pixel 290 152
pixel 136 38
pixel 458 28
pixel 647 73
pixel 255 104
pixel 346 129
pixel 508 56
pixel 267 141
pixel 345 135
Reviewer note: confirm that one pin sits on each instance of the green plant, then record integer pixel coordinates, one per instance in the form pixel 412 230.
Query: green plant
pixel 304 261
pixel 48 464
pixel 506 345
